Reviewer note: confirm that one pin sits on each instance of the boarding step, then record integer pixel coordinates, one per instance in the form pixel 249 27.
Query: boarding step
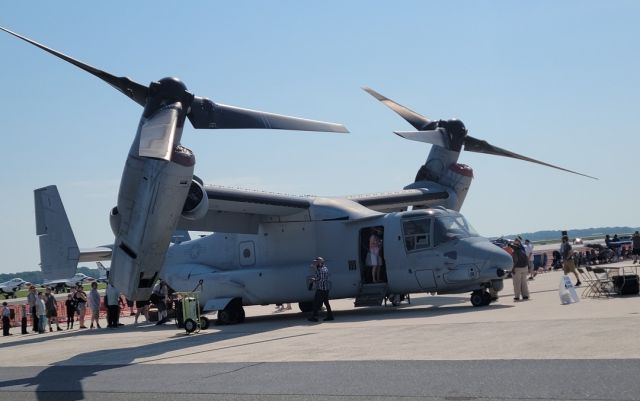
pixel 371 294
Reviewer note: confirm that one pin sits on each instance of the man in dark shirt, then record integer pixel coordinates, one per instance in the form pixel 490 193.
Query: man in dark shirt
pixel 321 281
pixel 519 271
pixel 567 259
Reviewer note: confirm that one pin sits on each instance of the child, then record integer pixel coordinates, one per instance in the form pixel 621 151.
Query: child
pixel 71 310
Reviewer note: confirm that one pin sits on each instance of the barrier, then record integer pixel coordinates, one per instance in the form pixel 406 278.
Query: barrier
pixel 24 310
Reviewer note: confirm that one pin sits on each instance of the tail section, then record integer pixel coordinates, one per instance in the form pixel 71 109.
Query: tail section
pixel 59 253
pixel 103 272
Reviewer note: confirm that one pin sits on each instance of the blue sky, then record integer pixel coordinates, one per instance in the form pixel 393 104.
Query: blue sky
pixel 553 80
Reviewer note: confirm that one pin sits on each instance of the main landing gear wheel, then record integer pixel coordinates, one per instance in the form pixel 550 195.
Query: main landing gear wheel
pixel 480 298
pixel 232 313
pixel 305 307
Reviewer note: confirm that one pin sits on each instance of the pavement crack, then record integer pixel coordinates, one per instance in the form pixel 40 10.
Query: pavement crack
pixel 234 370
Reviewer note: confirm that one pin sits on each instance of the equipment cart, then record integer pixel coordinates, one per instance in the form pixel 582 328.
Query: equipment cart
pixel 188 313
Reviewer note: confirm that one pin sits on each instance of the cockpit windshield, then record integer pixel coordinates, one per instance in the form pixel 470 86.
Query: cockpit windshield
pixel 447 228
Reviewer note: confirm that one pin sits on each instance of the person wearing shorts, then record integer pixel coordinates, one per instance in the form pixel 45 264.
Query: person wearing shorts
pixel 142 307
pixel 568 265
pixel 51 306
pixel 81 304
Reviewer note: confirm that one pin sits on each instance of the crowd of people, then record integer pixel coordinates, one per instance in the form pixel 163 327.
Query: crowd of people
pixel 44 309
pixel 567 259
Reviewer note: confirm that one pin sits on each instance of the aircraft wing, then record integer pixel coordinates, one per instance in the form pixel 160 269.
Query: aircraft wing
pixel 241 211
pixel 58 281
pixel 234 210
pixel 100 254
pixel 399 200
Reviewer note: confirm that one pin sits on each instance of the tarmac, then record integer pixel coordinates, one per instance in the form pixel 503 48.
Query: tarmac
pixel 433 348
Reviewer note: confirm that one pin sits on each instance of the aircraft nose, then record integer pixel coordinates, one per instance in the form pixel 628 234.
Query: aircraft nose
pixel 499 260
pixel 496 260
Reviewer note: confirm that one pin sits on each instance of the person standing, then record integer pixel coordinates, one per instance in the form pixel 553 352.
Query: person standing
pixel 94 304
pixel 568 264
pixel 321 281
pixel 32 299
pixel 6 319
pixel 519 271
pixel 113 306
pixel 160 296
pixel 81 304
pixel 528 249
pixel 70 304
pixel 41 310
pixel 373 260
pixel 52 310
pixel 142 307
pixel 636 246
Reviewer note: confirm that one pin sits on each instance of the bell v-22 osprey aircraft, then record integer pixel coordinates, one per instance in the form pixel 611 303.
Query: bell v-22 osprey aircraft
pixel 261 243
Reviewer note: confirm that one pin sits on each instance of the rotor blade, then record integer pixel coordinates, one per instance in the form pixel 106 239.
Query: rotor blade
pixel 207 114
pixel 125 85
pixel 418 121
pixel 435 137
pixel 472 144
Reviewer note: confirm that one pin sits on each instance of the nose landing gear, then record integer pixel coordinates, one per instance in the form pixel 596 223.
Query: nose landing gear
pixel 481 298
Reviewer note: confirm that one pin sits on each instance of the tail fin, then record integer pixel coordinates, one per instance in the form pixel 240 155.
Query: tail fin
pixel 103 271
pixel 59 253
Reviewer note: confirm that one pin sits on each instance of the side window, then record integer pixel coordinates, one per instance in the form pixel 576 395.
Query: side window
pixel 417 234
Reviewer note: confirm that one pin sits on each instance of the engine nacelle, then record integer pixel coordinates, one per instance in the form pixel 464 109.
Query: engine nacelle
pixel 114 220
pixel 197 203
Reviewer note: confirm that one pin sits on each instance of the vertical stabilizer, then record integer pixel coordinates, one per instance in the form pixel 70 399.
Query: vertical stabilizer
pixel 59 251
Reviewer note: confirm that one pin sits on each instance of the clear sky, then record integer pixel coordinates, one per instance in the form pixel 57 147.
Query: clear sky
pixel 553 80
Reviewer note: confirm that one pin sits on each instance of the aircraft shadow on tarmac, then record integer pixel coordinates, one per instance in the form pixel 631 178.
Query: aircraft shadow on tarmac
pixel 419 307
pixel 67 376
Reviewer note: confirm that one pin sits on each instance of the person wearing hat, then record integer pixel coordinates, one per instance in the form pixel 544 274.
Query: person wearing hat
pixel 568 264
pixel 322 284
pixel 519 271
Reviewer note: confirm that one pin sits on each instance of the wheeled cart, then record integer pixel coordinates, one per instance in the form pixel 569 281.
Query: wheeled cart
pixel 188 313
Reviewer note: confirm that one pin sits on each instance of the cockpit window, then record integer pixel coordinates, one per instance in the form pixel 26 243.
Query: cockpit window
pixel 447 228
pixel 417 234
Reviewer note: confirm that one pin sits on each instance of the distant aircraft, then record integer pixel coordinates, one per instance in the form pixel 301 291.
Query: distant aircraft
pixel 67 283
pixel 9 288
pixel 104 273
